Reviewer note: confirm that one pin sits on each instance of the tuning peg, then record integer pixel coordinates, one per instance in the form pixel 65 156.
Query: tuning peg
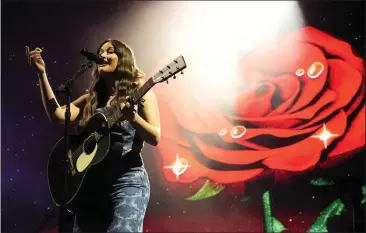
pixel 174 77
pixel 167 82
pixel 181 72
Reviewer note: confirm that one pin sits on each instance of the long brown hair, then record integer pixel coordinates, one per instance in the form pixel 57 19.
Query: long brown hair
pixel 126 82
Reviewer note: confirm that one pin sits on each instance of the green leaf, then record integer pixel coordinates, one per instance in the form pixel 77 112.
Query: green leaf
pixel 271 224
pixel 321 182
pixel 209 189
pixel 268 221
pixel 320 224
pixel 277 226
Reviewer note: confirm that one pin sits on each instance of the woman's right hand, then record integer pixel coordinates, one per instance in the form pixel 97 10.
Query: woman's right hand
pixel 35 59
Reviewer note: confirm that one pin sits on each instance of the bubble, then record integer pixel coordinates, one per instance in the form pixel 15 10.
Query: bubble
pixel 300 72
pixel 315 70
pixel 223 132
pixel 238 131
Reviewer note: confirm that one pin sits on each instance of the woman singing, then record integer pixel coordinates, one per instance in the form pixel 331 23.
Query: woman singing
pixel 115 192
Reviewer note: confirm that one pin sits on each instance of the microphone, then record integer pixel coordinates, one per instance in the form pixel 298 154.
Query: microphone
pixel 93 57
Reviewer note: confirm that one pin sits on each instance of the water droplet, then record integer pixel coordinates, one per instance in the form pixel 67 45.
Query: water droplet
pixel 315 70
pixel 223 132
pixel 238 131
pixel 300 72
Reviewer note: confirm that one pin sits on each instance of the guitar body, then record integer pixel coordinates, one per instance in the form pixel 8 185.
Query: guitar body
pixel 85 150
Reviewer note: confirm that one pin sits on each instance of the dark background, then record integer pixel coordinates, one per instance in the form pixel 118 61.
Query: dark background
pixel 62 28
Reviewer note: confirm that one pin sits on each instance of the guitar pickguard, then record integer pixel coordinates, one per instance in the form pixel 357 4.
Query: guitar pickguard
pixel 85 159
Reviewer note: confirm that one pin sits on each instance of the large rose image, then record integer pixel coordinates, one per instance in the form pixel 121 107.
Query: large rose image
pixel 298 102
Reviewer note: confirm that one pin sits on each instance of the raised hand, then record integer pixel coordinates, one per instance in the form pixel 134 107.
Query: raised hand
pixel 34 58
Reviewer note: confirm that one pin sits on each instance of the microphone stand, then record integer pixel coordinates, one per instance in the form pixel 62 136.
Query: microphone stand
pixel 65 88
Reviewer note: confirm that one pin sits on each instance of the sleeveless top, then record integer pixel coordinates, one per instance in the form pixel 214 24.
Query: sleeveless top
pixel 123 136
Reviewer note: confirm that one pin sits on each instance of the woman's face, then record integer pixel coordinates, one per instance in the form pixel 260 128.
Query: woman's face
pixel 108 52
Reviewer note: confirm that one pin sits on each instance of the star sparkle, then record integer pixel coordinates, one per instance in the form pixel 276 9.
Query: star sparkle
pixel 179 167
pixel 325 135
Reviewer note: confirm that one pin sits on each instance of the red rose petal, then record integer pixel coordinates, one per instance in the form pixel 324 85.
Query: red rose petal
pixel 281 133
pixel 357 101
pixel 168 152
pixel 354 138
pixel 247 156
pixel 290 120
pixel 290 89
pixel 331 45
pixel 345 80
pixel 287 58
pixel 345 88
pixel 255 102
pixel 305 154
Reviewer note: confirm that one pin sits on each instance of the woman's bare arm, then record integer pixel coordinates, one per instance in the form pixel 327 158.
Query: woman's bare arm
pixel 55 112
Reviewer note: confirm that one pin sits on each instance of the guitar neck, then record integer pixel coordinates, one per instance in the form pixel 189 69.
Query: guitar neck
pixel 135 98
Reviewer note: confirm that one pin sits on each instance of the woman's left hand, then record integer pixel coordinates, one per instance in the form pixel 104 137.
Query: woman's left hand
pixel 129 111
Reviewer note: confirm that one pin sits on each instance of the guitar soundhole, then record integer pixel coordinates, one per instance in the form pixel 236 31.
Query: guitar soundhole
pixel 90 144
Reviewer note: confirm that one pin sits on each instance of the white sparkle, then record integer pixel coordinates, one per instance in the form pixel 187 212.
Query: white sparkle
pixel 17 170
pixel 290 220
pixel 313 197
pixel 179 168
pixel 325 135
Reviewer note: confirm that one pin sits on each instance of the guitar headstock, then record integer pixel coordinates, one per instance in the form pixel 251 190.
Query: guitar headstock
pixel 176 66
